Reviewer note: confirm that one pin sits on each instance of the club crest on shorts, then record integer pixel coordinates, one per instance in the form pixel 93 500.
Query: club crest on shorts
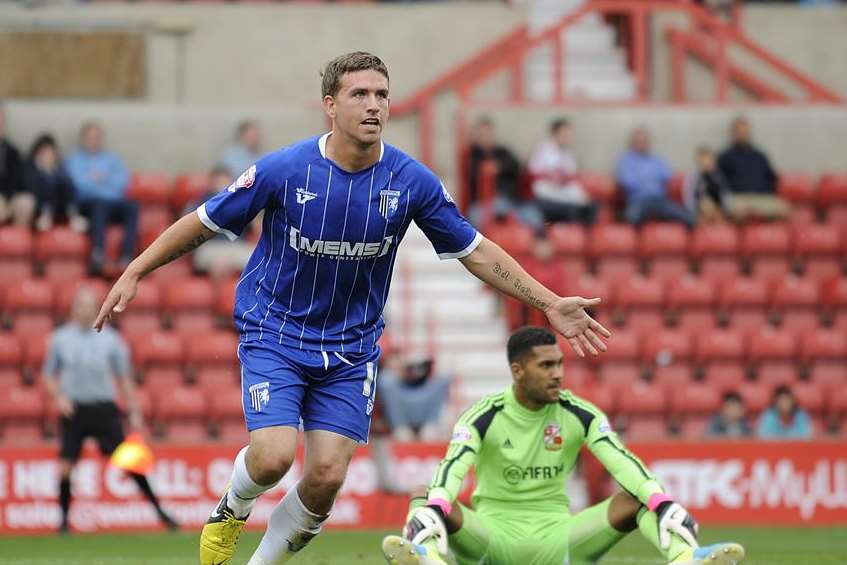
pixel 260 395
pixel 388 200
pixel 552 437
pixel 246 179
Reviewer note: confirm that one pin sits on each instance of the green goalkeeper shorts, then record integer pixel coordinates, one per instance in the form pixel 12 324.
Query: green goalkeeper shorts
pixel 509 537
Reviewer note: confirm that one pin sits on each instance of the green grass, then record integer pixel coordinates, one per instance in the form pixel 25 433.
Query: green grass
pixel 765 546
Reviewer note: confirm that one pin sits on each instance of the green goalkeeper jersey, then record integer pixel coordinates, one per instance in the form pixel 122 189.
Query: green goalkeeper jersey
pixel 523 458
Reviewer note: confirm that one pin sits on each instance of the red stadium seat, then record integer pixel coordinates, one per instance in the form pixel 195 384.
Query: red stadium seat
pixel 816 239
pixel 157 349
pixel 765 239
pixel 148 298
pixel 662 239
pixel 188 432
pixel 673 376
pixel 776 373
pixel 669 269
pixel 189 188
pixel 515 238
pixel 639 292
pixel 179 404
pixel 810 397
pixel 10 377
pixel 832 189
pixel 695 399
pixel 226 404
pixel 619 375
pixel 666 346
pixel 616 267
pixel 33 322
pixel 834 293
pixel 588 286
pixel 626 348
pixel 714 240
pixel 823 345
pixel 822 268
pixel 770 344
pixel 796 321
pixel 695 321
pixel 214 379
pixel 21 404
pixel 797 188
pixel 30 295
pixel 694 427
pixel 770 269
pixel 161 379
pixel 16 242
pixel 719 345
pixel 747 320
pixel 212 349
pixel 65 270
pixel 612 239
pixel 600 186
pixel 725 376
pixel 795 292
pixel 829 375
pixel 132 322
pixel 194 293
pixel 193 321
pixel 578 375
pixel 149 188
pixel 601 395
pixel 644 321
pixel 756 396
pixel 691 292
pixel 646 428
pixel 11 351
pixel 568 239
pixel 23 434
pixel 150 217
pixel 838 402
pixel 719 269
pixel 802 215
pixel 61 242
pixel 743 292
pixel 643 398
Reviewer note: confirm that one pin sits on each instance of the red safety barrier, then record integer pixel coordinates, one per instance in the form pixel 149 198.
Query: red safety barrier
pixel 722 483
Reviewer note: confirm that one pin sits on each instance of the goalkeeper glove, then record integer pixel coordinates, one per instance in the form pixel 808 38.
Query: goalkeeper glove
pixel 673 518
pixel 427 523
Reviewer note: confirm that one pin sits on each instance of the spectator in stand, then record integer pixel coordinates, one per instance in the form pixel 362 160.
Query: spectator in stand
pixel 557 189
pixel 785 419
pixel 751 177
pixel 101 180
pixel 413 399
pixel 246 150
pixel 731 421
pixel 644 177
pixel 706 193
pixel 219 256
pixel 47 186
pixel 484 149
pixel 10 176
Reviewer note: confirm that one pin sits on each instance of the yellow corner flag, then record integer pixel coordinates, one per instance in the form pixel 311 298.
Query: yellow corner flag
pixel 133 455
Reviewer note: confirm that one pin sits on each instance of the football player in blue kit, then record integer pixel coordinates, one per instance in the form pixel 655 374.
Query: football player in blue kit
pixel 309 304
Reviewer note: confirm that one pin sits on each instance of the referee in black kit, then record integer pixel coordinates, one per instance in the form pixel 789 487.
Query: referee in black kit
pixel 80 371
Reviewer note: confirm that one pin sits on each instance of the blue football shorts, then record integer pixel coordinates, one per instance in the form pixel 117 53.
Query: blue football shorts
pixel 318 390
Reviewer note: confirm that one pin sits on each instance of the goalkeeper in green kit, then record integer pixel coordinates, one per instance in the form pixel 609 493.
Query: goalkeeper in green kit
pixel 524 443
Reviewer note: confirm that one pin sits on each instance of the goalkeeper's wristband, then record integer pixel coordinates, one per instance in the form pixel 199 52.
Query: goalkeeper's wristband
pixel 656 500
pixel 443 507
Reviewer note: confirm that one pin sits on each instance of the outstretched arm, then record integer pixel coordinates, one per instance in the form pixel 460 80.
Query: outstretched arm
pixel 186 234
pixel 492 265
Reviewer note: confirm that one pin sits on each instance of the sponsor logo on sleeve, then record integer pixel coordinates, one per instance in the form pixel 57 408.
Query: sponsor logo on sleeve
pixel 246 179
pixel 461 434
pixel 447 196
pixel 604 427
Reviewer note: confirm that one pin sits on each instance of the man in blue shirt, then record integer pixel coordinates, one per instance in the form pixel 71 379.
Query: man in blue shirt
pixel 246 150
pixel 101 180
pixel 644 177
pixel 309 304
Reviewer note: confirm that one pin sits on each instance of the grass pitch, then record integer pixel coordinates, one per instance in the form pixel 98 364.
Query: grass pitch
pixel 765 546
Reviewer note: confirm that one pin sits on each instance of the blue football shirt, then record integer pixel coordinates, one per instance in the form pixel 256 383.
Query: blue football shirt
pixel 319 276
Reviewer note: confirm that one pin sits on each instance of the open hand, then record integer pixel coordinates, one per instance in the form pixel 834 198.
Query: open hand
pixel 567 315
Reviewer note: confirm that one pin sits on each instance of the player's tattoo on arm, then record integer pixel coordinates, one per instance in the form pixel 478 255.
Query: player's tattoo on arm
pixel 528 295
pixel 501 272
pixel 190 246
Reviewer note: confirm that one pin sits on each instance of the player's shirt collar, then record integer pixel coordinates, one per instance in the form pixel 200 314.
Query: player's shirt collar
pixel 322 149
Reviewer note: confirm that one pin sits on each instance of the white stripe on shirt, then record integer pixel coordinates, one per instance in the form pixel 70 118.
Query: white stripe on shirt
pixel 297 264
pixel 337 263
pixel 317 259
pixel 373 264
pixel 464 252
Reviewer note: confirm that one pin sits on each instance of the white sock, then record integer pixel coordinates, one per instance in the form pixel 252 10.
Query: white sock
pixel 243 491
pixel 290 527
